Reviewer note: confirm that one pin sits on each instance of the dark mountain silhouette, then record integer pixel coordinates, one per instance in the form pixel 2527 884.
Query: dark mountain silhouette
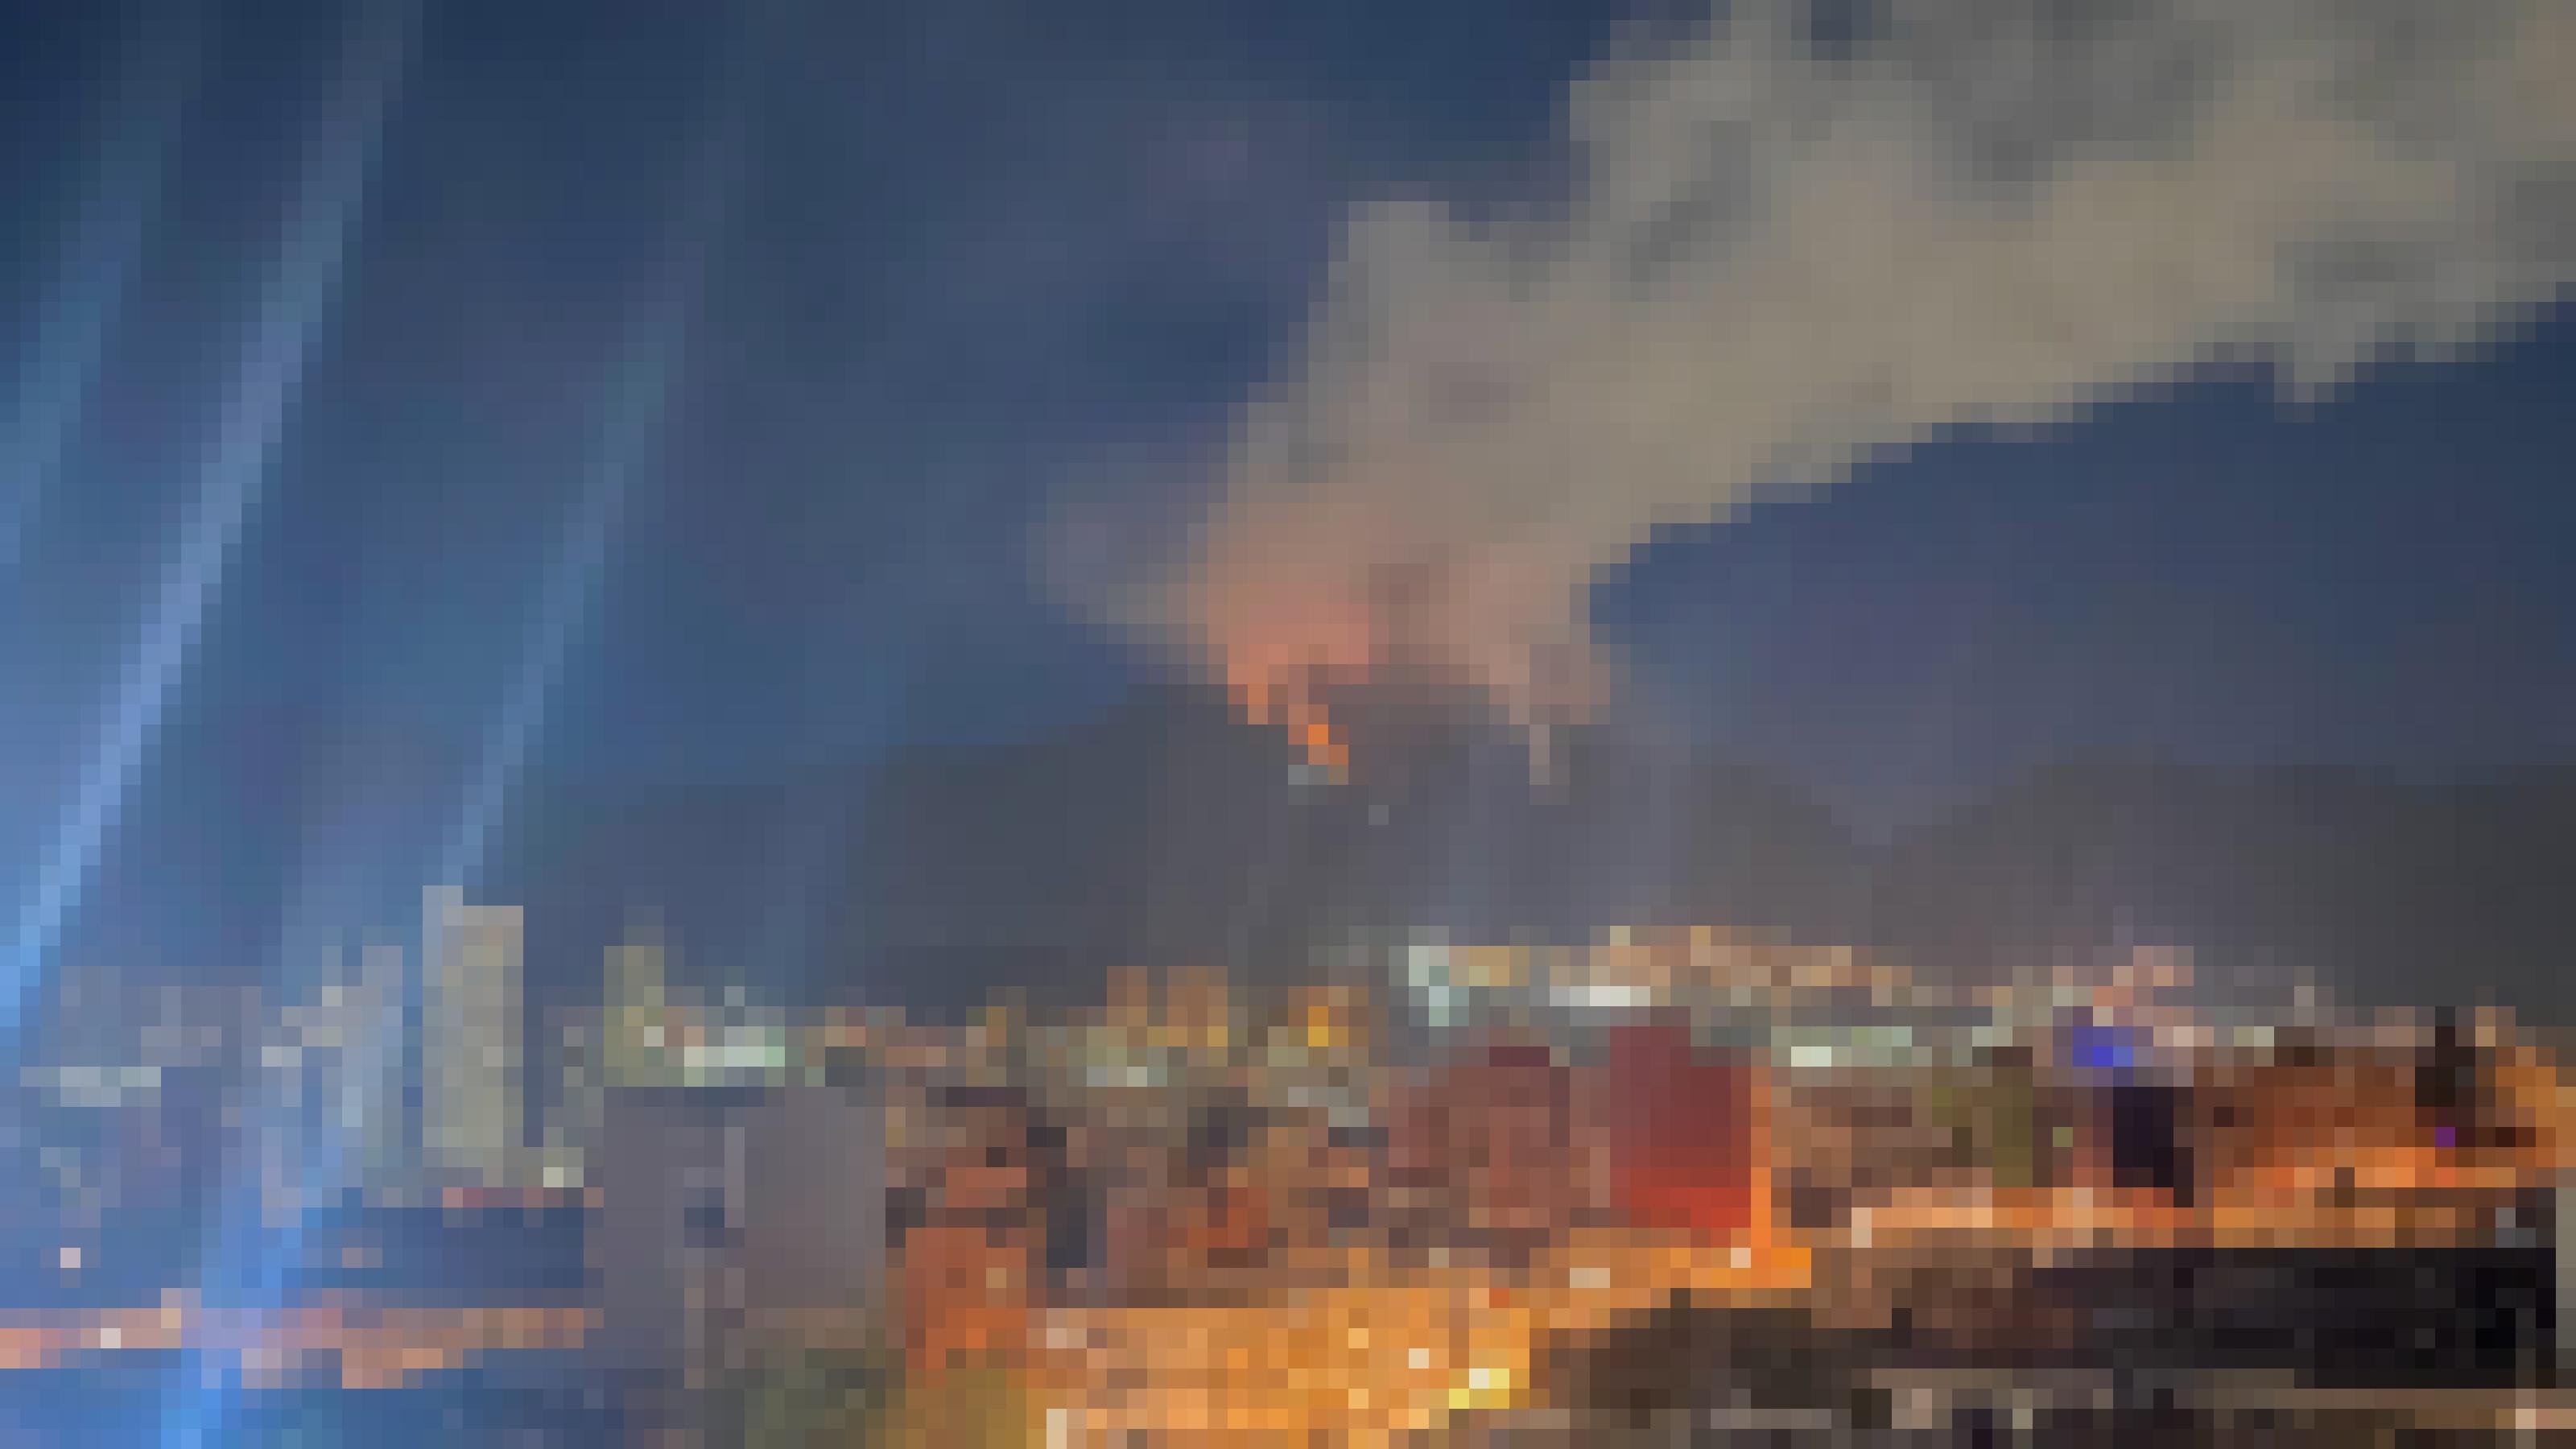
pixel 1167 831
pixel 2385 889
pixel 1163 831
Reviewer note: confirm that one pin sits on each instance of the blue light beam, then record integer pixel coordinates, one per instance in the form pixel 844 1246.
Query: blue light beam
pixel 643 379
pixel 297 298
pixel 259 1263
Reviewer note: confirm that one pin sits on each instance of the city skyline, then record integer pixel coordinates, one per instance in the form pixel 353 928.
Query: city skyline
pixel 974 722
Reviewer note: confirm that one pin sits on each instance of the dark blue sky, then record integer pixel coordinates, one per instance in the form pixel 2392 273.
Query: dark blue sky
pixel 2210 575
pixel 958 259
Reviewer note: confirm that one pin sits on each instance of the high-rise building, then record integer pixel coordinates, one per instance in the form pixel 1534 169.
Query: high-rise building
pixel 377 1057
pixel 472 1102
pixel 731 1216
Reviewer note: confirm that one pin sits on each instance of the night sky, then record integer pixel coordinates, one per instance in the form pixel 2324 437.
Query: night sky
pixel 805 318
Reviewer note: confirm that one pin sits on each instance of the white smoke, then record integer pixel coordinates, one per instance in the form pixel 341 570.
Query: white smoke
pixel 1779 254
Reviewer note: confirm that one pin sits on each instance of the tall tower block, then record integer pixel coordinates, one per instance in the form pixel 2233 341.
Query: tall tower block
pixel 471 1101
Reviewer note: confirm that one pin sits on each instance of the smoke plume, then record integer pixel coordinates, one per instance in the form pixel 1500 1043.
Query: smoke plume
pixel 1800 238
